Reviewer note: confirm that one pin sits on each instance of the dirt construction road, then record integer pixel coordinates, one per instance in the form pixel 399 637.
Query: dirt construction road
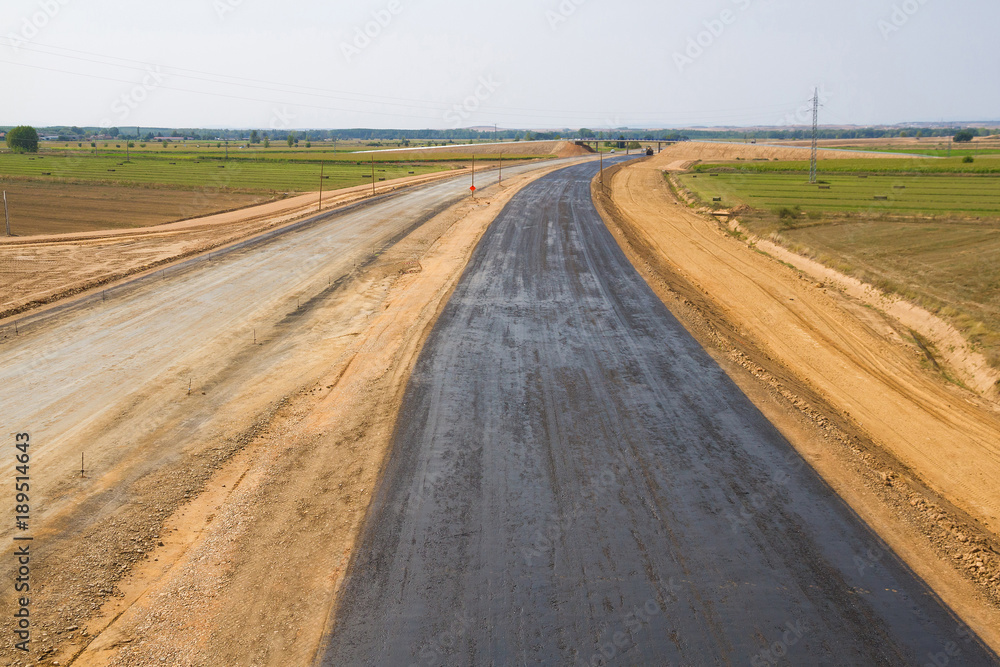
pixel 575 481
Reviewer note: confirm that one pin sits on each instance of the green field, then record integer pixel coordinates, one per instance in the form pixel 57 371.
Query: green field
pixel 247 174
pixel 197 165
pixel 935 239
pixel 982 164
pixel 975 195
pixel 319 151
pixel 64 189
pixel 958 150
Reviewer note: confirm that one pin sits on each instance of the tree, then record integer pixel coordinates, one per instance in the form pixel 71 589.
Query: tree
pixel 254 137
pixel 291 139
pixel 267 142
pixel 586 133
pixel 964 136
pixel 23 139
pixel 114 132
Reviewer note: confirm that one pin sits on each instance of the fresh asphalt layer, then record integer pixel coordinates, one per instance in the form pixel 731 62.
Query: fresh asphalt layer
pixel 575 481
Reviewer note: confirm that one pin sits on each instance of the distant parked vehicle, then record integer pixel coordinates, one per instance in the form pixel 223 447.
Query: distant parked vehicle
pixel 649 151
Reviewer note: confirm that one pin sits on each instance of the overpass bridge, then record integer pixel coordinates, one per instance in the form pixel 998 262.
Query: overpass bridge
pixel 660 143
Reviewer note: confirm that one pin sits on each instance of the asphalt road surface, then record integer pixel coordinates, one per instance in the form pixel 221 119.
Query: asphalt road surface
pixel 574 481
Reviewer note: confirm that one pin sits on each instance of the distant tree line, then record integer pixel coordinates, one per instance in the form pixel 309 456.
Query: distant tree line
pixel 835 133
pixel 445 137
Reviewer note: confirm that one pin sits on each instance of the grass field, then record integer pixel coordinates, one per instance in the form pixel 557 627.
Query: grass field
pixel 200 164
pixel 948 194
pixel 77 187
pixel 341 151
pixel 958 150
pixel 935 239
pixel 982 164
pixel 247 174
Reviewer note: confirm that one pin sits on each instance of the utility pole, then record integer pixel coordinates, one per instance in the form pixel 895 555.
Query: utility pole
pixel 227 150
pixel 602 164
pixel 373 174
pixel 5 214
pixel 321 165
pixel 812 163
pixel 127 158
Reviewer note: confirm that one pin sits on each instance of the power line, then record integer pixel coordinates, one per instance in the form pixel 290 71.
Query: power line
pixel 285 88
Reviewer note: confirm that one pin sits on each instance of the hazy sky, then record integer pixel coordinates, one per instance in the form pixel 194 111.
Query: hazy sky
pixel 517 63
